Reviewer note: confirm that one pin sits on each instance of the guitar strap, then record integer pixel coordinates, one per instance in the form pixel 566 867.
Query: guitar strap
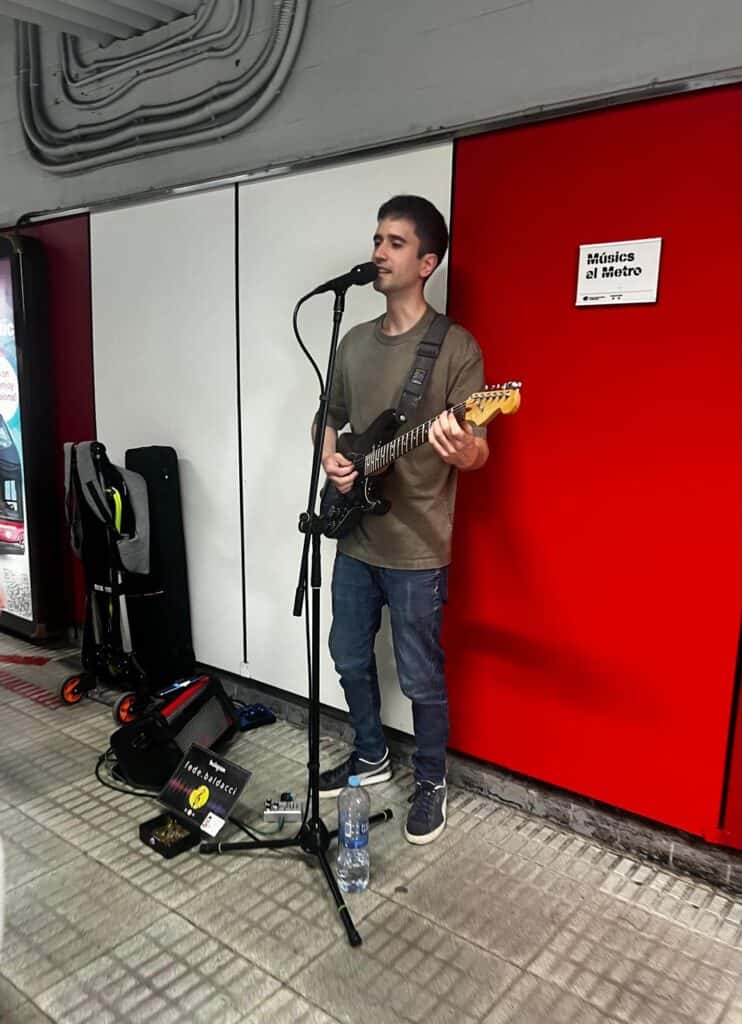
pixel 422 366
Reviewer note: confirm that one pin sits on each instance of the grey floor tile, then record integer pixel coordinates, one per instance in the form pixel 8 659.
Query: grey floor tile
pixel 506 919
pixel 468 811
pixel 697 906
pixel 652 930
pixel 637 976
pixel 168 973
pixel 26 1013
pixel 281 737
pixel 88 723
pixel 529 841
pixel 87 814
pixel 733 1010
pixel 22 730
pixel 172 882
pixel 286 1007
pixel 277 911
pixel 30 850
pixel 95 819
pixel 534 1001
pixel 10 997
pixel 406 970
pixel 62 920
pixel 272 773
pixel 489 906
pixel 395 863
pixel 44 713
pixel 31 765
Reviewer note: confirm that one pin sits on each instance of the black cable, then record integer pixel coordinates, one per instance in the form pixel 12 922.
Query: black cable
pixel 303 347
pixel 120 789
pixel 255 833
pixel 131 791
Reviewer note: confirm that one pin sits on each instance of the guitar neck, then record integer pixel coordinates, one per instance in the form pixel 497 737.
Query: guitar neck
pixel 386 454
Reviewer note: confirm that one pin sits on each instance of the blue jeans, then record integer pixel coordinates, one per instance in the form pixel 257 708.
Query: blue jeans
pixel 415 598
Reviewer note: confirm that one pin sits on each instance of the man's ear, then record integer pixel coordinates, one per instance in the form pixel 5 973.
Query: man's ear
pixel 428 264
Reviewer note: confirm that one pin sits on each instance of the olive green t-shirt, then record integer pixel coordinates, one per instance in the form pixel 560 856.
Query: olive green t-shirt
pixel 371 369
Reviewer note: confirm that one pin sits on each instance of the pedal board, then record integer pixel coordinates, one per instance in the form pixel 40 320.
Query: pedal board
pixel 288 810
pixel 250 716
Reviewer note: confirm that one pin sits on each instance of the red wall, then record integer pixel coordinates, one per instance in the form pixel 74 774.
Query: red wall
pixel 67 248
pixel 595 593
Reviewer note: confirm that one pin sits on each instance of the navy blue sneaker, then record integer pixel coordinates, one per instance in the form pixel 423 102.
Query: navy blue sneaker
pixel 427 816
pixel 334 780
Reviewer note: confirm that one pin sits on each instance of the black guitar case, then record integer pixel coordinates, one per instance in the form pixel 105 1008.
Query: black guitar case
pixel 159 610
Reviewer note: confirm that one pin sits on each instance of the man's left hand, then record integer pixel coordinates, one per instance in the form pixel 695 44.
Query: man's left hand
pixel 452 440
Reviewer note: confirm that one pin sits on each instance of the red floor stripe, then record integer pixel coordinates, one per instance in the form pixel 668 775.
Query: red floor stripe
pixel 25 689
pixel 23 659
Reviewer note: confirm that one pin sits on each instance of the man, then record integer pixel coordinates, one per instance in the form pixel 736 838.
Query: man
pixel 401 559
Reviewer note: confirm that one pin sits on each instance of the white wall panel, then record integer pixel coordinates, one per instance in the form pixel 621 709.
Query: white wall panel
pixel 165 373
pixel 295 233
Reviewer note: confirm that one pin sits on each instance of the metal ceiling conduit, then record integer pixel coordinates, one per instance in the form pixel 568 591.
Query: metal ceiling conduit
pixel 214 122
pixel 178 115
pixel 117 13
pixel 21 13
pixel 181 6
pixel 161 12
pixel 151 64
pixel 83 20
pixel 142 73
pixel 75 69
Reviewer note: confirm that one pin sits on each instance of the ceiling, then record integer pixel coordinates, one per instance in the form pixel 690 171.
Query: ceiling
pixel 99 21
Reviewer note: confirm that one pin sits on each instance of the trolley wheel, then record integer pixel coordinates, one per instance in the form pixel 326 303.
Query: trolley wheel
pixel 126 709
pixel 71 690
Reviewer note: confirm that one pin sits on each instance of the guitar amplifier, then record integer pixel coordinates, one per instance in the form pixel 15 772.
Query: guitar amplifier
pixel 149 750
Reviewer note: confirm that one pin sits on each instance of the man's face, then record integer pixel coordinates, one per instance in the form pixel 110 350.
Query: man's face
pixel 395 253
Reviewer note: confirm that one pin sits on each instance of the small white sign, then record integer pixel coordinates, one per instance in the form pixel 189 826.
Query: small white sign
pixel 211 824
pixel 612 273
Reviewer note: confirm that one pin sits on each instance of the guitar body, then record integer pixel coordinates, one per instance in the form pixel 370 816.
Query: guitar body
pixel 342 512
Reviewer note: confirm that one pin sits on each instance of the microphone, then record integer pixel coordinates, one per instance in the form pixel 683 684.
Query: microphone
pixel 364 273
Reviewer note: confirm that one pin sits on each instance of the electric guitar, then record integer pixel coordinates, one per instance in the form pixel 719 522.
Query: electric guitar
pixel 373 452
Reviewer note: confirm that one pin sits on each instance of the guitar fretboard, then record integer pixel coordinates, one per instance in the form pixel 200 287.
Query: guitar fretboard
pixel 385 454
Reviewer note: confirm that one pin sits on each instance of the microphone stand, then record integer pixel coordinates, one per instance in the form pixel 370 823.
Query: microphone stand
pixel 313 838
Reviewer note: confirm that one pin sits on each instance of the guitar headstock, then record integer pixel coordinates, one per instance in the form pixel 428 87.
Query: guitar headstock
pixel 483 406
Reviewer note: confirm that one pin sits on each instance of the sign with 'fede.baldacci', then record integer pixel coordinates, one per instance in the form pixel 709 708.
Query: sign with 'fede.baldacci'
pixel 618 272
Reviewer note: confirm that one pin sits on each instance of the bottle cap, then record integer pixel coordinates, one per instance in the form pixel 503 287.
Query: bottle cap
pixel 354 780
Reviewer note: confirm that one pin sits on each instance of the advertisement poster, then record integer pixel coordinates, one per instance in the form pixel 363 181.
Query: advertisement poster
pixel 204 788
pixel 15 580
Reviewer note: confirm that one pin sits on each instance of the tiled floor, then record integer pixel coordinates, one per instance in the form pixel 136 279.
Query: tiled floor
pixel 504 919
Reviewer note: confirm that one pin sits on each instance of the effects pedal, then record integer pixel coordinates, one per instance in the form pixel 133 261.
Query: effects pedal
pixel 287 808
pixel 250 716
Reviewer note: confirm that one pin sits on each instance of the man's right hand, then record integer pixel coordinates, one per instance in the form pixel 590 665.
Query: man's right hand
pixel 340 471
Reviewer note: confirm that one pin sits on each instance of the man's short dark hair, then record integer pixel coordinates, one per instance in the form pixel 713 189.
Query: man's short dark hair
pixel 430 227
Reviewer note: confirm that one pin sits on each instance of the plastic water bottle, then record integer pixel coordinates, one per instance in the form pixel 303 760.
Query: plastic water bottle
pixel 353 860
